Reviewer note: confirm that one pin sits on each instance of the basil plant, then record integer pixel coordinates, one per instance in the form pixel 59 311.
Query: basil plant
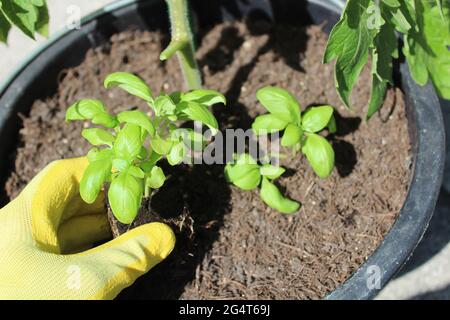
pixel 128 146
pixel 300 129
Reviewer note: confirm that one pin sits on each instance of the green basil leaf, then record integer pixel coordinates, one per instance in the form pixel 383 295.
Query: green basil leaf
pixel 205 97
pixel 271 172
pixel 148 165
pixel 136 172
pixel 125 197
pixel 320 155
pixel 131 84
pixel 280 103
pixel 160 145
pixel 100 155
pixel 138 118
pixel 244 173
pixel 98 137
pixel 106 120
pixel 315 119
pixel 164 105
pixel 273 198
pixel 128 142
pixel 156 178
pixel 96 174
pixel 198 112
pixel 292 136
pixel 332 126
pixel 85 109
pixel 192 139
pixel 120 164
pixel 177 154
pixel 268 123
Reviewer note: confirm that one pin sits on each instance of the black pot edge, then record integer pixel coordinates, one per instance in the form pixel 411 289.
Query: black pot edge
pixel 427 131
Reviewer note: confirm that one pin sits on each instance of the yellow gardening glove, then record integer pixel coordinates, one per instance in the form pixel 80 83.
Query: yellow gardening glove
pixel 49 219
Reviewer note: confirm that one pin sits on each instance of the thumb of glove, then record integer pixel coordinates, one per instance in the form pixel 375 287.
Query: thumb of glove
pixel 115 265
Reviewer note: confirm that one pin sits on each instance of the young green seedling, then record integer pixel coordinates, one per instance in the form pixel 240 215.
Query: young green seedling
pixel 247 174
pixel 300 130
pixel 127 150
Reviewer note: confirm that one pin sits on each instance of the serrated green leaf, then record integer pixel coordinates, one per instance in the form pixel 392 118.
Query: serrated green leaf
pixel 315 119
pixel 23 14
pixel 349 43
pixel 198 112
pixel 125 197
pixel 85 109
pixel 274 199
pixel 292 136
pixel 5 26
pixel 138 118
pixel 42 24
pixel 280 103
pixel 205 97
pixel 128 142
pixel 320 155
pixel 131 84
pixel 271 172
pixel 98 137
pixel 156 178
pixel 427 50
pixel 96 174
pixel 377 97
pixel 268 123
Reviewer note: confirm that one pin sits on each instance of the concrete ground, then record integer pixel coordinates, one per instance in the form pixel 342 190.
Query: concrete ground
pixel 426 275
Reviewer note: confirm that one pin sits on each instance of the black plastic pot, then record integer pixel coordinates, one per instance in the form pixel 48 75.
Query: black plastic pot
pixel 38 78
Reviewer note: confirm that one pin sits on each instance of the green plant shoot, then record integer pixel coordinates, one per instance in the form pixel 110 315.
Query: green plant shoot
pixel 300 130
pixel 126 151
pixel 247 174
pixel 182 43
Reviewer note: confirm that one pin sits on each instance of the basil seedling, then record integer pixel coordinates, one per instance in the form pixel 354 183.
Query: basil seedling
pixel 129 146
pixel 300 130
pixel 247 174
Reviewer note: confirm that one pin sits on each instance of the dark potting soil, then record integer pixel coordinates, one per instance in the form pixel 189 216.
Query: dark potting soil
pixel 229 244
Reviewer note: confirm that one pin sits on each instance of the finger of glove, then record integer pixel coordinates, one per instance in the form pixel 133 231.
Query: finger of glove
pixel 54 197
pixel 81 232
pixel 122 260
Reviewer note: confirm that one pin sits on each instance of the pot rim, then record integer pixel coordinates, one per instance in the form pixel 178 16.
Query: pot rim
pixel 427 133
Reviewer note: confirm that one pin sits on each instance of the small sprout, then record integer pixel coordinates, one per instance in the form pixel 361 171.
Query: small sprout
pixel 127 151
pixel 247 174
pixel 300 130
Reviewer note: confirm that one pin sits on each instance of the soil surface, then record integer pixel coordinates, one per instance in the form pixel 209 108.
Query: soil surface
pixel 233 246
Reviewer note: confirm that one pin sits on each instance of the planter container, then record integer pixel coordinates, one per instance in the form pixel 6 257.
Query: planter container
pixel 37 78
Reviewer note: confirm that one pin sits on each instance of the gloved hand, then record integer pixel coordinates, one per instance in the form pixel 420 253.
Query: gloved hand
pixel 49 219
